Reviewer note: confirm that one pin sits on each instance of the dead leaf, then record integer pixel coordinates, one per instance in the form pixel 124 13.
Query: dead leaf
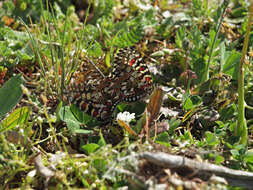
pixel 126 127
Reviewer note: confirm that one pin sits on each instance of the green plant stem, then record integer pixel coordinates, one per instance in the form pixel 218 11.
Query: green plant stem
pixel 35 47
pixel 62 65
pixel 206 77
pixel 241 128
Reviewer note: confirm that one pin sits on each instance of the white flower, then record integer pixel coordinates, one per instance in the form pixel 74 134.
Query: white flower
pixel 125 116
pixel 31 174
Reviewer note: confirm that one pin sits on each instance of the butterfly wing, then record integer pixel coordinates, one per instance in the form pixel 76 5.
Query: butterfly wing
pixel 128 81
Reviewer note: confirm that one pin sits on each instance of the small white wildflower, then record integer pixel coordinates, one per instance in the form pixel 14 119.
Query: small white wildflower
pixel 93 185
pixel 39 119
pixel 21 131
pixel 31 173
pixel 166 14
pixel 48 130
pixel 125 116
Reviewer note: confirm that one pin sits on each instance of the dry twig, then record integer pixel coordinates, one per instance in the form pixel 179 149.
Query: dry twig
pixel 233 177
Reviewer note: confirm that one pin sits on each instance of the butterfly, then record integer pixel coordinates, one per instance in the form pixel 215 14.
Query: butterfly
pixel 98 95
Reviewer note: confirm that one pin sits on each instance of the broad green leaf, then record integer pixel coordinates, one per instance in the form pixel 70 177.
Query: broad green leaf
pixel 89 148
pixel 10 94
pixel 231 66
pixel 196 100
pixel 9 6
pixel 220 124
pixel 248 157
pixel 4 50
pixel 15 39
pixel 166 144
pixel 66 115
pixel 188 104
pixel 83 117
pixel 173 124
pixel 200 68
pixel 211 139
pixel 219 159
pixel 73 124
pixel 235 152
pixel 228 112
pixel 26 53
pixel 17 117
pixel 80 116
pixel 162 137
pixel 100 164
pixel 250 166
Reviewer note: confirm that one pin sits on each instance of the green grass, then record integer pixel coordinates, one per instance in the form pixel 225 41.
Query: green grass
pixel 194 55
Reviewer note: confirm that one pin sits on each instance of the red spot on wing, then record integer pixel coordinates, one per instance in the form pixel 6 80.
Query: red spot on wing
pixel 83 106
pixel 131 62
pixel 148 79
pixel 77 96
pixel 141 69
pixel 94 113
pixel 143 87
pixel 108 103
pixel 106 109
